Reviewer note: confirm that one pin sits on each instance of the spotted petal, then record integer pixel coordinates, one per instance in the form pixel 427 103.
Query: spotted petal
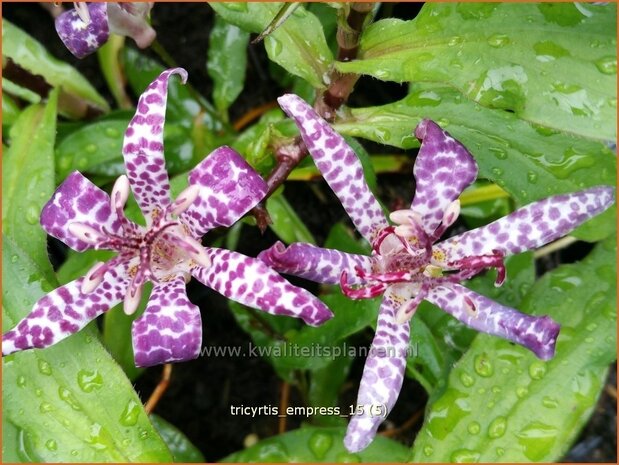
pixel 78 200
pixel 250 282
pixel 531 226
pixel 382 376
pixel 83 38
pixel 315 263
pixel 129 19
pixel 538 334
pixel 339 165
pixel 170 329
pixel 229 188
pixel 143 147
pixel 65 311
pixel 443 169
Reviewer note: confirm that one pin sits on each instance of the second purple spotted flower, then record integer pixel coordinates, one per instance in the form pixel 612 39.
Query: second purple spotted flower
pixel 406 265
pixel 167 251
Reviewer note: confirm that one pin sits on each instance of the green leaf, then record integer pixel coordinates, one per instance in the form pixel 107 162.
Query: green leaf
pixel 29 54
pixel 520 57
pixel 28 180
pixel 69 402
pixel 226 63
pixel 183 451
pixel 310 444
pixel 298 45
pixel 527 161
pixel 286 223
pixel 503 404
pixel 109 62
pixel 10 111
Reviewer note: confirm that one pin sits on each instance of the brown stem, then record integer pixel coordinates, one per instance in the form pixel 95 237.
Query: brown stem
pixel 154 398
pixel 332 98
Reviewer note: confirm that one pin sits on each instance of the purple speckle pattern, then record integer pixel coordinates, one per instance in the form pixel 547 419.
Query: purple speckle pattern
pixel 229 188
pixel 382 376
pixel 65 311
pixel 443 169
pixel 538 334
pixel 531 226
pixel 339 165
pixel 143 147
pixel 83 38
pixel 250 282
pixel 315 263
pixel 78 200
pixel 170 329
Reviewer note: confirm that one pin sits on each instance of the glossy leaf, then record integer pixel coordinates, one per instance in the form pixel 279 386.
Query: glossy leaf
pixel 527 161
pixel 183 451
pixel 69 402
pixel 520 57
pixel 29 54
pixel 503 404
pixel 286 223
pixel 226 63
pixel 28 180
pixel 10 111
pixel 298 45
pixel 311 444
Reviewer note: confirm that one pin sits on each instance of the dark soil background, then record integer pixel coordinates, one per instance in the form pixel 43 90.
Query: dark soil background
pixel 201 392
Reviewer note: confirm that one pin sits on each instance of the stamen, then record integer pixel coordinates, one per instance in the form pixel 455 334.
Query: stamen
pixel 93 278
pixel 450 215
pixel 81 8
pixel 86 233
pixel 132 299
pixel 195 250
pixel 364 292
pixel 406 311
pixel 120 193
pixel 185 199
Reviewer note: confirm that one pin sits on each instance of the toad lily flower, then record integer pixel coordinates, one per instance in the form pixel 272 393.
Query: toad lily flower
pixel 406 265
pixel 88 26
pixel 167 251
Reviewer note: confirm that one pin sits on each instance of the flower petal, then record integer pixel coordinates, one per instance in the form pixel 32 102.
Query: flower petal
pixel 382 376
pixel 229 188
pixel 250 282
pixel 339 165
pixel 65 311
pixel 538 334
pixel 531 226
pixel 129 19
pixel 443 169
pixel 83 38
pixel 77 200
pixel 170 329
pixel 315 263
pixel 143 147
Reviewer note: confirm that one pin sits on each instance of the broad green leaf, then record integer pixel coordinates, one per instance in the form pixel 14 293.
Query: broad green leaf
pixel 298 45
pixel 310 444
pixel 286 223
pixel 226 63
pixel 29 54
pixel 527 161
pixel 503 404
pixel 28 179
pixel 183 451
pixel 69 402
pixel 520 57
pixel 20 92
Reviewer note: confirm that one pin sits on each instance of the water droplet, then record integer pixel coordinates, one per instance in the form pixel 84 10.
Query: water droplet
pixel 383 134
pixel 45 407
pixel 423 98
pixel 497 427
pixel 74 452
pixel 500 451
pixel 14 259
pixel 455 40
pixel 112 132
pixel 549 51
pixel 89 380
pixel 45 368
pixel 550 402
pixel 466 379
pixel 21 381
pixel 498 40
pixel 532 177
pixel 591 327
pixel 483 366
pixel 607 65
pixel 498 152
pixel 51 444
pixel 82 163
pixel 68 396
pixel 347 457
pixel 130 414
pixel 32 214
pixel 91 148
pixel 428 451
pixel 496 389
pixel 497 172
pixel 64 163
pixel 465 456
pixel 319 444
pixel 275 452
pixel 473 427
pixel 235 6
pixel 537 439
pixel 451 408
pixel 126 442
pixel 143 435
pixel 589 340
pixel 521 391
pixel 504 370
pixel 38 392
pixel 273 45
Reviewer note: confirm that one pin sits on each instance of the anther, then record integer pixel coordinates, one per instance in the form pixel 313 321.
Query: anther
pixel 92 279
pixel 120 193
pixel 86 233
pixel 81 8
pixel 132 299
pixel 185 199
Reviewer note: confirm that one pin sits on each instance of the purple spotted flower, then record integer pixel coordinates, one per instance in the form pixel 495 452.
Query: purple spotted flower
pixel 167 251
pixel 88 26
pixel 406 265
